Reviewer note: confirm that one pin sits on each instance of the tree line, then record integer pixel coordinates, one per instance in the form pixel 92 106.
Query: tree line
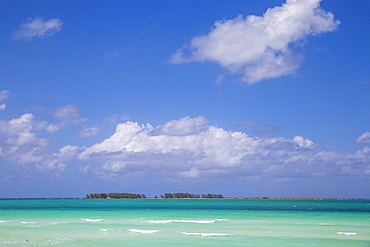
pixel 115 196
pixel 187 195
pixel 139 196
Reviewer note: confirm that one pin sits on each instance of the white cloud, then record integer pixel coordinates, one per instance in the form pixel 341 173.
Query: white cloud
pixel 364 138
pixel 23 124
pixel 260 46
pixel 19 141
pixel 37 27
pixel 187 148
pixel 214 152
pixel 59 161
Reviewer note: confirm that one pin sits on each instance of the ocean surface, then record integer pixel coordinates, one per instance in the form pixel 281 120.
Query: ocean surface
pixel 184 222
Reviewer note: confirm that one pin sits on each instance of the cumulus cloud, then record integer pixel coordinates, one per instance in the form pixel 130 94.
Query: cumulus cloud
pixel 364 138
pixel 60 160
pixel 21 126
pixel 19 140
pixel 37 28
pixel 260 47
pixel 211 152
pixel 187 148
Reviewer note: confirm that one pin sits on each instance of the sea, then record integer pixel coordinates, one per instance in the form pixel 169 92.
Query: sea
pixel 184 222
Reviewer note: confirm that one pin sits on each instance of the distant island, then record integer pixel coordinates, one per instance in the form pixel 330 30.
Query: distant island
pixel 142 196
pixel 197 196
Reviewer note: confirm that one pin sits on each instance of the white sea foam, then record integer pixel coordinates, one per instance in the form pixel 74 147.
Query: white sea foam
pixel 58 241
pixel 160 221
pixel 205 234
pixel 28 222
pixel 327 224
pixel 197 221
pixel 186 221
pixel 222 219
pixel 106 230
pixel 93 220
pixel 348 233
pixel 3 221
pixel 142 231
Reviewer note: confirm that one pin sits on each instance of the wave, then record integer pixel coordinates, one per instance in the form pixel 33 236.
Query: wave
pixel 186 221
pixel 142 231
pixel 205 234
pixel 197 221
pixel 93 220
pixel 3 221
pixel 28 222
pixel 160 221
pixel 348 233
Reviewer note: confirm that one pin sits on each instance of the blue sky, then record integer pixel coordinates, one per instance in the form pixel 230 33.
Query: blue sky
pixel 243 98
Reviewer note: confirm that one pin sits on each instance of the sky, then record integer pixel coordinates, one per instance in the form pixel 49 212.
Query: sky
pixel 239 98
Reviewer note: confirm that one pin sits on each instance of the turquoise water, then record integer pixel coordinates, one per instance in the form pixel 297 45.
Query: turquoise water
pixel 184 222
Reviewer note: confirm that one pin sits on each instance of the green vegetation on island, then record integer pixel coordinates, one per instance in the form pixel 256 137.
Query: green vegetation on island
pixel 114 195
pixel 142 196
pixel 187 195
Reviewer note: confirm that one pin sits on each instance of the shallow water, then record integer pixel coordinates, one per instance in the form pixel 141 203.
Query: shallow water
pixel 184 222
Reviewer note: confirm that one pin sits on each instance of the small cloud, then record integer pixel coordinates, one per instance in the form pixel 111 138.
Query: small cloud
pixel 89 132
pixel 260 47
pixel 2 107
pixel 363 139
pixel 66 112
pixel 37 28
pixel 219 79
pixel 4 95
